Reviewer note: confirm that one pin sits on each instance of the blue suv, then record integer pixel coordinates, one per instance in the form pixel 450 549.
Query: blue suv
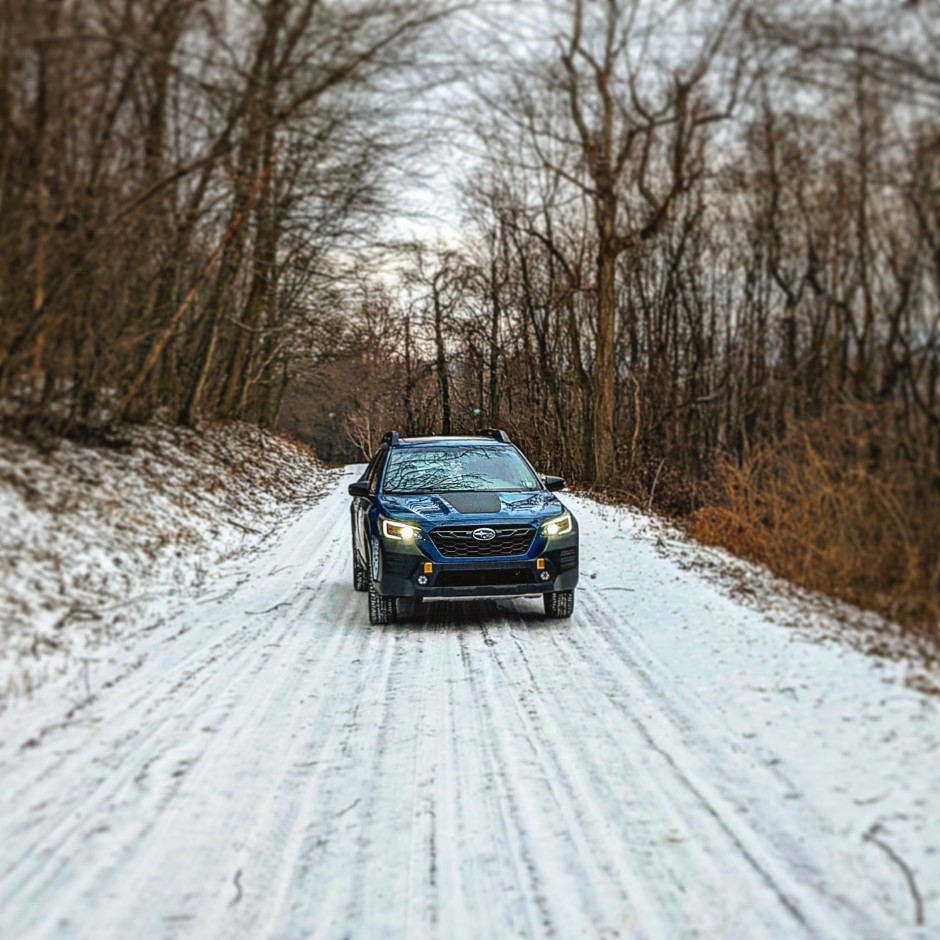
pixel 446 517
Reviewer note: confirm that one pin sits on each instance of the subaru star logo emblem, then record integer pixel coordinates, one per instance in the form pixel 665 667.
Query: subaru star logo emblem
pixel 484 535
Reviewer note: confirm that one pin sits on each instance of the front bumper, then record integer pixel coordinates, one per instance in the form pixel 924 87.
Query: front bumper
pixel 400 567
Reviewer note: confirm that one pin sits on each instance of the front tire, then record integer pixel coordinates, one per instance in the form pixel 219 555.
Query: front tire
pixel 559 605
pixel 381 609
pixel 360 573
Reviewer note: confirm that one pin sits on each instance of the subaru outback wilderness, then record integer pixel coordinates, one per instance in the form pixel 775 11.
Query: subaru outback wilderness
pixel 459 517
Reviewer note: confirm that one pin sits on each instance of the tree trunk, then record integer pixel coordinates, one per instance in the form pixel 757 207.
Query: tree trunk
pixel 440 363
pixel 603 423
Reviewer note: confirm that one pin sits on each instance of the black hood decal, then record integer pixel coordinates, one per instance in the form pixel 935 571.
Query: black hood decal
pixel 474 503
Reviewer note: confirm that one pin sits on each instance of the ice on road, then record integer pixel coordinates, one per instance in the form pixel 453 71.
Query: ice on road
pixel 267 764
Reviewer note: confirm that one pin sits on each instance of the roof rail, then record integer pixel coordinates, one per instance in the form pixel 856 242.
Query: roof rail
pixel 391 438
pixel 496 434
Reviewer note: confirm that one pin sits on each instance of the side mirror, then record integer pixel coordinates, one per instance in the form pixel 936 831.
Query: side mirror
pixel 554 484
pixel 359 488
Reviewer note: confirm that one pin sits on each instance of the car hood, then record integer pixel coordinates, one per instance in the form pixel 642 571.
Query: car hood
pixel 467 508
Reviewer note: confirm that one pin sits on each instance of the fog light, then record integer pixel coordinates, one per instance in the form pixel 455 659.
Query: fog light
pixel 545 575
pixel 422 579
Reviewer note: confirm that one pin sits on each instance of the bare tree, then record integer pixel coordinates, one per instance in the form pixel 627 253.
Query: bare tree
pixel 175 177
pixel 629 134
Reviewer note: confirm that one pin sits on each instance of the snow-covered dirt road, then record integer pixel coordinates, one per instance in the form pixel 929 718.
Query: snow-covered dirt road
pixel 667 764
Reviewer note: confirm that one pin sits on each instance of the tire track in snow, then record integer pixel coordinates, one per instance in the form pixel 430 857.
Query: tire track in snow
pixel 719 775
pixel 501 765
pixel 256 814
pixel 590 799
pixel 199 679
pixel 598 795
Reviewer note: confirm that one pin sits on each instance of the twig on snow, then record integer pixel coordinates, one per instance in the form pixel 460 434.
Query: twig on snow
pixel 871 836
pixel 275 607
pixel 237 881
pixel 76 613
pixel 244 528
pixel 348 809
pixel 279 568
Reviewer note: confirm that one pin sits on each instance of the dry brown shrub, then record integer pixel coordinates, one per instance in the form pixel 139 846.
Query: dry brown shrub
pixel 838 507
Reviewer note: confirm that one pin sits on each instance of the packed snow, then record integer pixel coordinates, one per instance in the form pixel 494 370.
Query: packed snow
pixel 672 762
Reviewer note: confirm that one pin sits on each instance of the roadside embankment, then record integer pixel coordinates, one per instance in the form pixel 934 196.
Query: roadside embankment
pixel 88 534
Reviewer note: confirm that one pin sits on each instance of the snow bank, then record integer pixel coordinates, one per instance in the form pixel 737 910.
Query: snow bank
pixel 88 534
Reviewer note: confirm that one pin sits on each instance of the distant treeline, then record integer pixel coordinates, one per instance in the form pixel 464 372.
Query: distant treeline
pixel 174 176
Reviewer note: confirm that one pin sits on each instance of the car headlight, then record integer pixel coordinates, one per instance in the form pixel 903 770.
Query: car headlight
pixel 399 531
pixel 560 525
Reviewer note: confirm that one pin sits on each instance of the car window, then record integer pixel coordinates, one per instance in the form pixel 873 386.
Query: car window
pixel 458 469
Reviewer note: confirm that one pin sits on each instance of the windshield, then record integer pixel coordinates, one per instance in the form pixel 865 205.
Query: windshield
pixel 457 469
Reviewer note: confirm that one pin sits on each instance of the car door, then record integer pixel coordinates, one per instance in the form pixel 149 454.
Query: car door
pixel 362 505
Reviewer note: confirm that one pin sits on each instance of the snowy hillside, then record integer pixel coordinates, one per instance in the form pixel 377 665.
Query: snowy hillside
pixel 89 535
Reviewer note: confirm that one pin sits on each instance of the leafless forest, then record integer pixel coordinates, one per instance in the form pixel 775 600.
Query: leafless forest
pixel 698 265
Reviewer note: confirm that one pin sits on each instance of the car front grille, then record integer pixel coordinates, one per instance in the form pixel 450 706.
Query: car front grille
pixel 460 543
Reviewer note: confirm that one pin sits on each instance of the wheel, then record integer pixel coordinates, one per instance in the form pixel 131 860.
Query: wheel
pixel 381 609
pixel 360 573
pixel 559 604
